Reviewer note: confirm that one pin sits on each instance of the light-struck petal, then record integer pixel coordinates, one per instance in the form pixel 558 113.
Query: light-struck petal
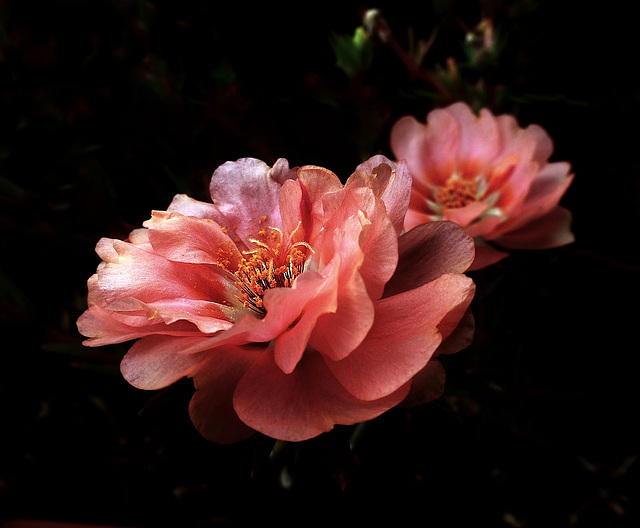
pixel 303 404
pixel 189 239
pixel 404 337
pixel 247 194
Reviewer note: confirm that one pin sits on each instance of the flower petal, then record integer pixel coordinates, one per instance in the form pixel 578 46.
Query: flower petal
pixel 428 251
pixel 303 404
pixel 156 361
pixel 427 385
pixel 549 231
pixel 189 239
pixel 404 336
pixel 211 407
pixel 247 194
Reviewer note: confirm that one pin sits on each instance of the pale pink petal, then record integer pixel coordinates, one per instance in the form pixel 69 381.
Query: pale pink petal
pixel 149 277
pixel 208 316
pixel 303 404
pixel 189 239
pixel 211 407
pixel 404 337
pixel 247 196
pixel 429 251
pixel 156 361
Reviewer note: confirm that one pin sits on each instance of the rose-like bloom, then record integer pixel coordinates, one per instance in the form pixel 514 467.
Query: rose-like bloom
pixel 488 175
pixel 292 300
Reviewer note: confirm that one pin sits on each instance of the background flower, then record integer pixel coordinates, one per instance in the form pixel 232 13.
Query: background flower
pixel 271 299
pixel 489 176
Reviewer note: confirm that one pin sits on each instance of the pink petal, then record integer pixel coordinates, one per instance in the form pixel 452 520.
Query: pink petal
pixel 403 338
pixel 428 251
pixel 303 404
pixel 157 361
pixel 211 407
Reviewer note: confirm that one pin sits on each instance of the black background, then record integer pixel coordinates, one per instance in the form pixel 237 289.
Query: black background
pixel 109 108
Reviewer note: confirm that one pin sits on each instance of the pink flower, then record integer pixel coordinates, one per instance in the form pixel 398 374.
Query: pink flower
pixel 489 176
pixel 292 300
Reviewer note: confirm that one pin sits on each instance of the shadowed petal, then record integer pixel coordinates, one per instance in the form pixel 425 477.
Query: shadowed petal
pixel 303 404
pixel 211 407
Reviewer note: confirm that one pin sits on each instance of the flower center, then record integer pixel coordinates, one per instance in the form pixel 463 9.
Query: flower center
pixel 456 193
pixel 269 266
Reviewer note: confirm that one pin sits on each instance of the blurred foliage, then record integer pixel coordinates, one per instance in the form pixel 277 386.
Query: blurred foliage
pixel 110 107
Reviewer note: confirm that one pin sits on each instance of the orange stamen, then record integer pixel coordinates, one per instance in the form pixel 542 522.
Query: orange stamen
pixel 267 267
pixel 456 193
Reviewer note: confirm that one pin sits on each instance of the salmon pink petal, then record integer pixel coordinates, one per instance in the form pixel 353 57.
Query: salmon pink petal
pixel 156 361
pixel 427 252
pixel 303 404
pixel 404 337
pixel 211 407
pixel 316 183
pixel 319 297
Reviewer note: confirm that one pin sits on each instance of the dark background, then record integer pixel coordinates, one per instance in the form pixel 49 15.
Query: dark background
pixel 109 108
